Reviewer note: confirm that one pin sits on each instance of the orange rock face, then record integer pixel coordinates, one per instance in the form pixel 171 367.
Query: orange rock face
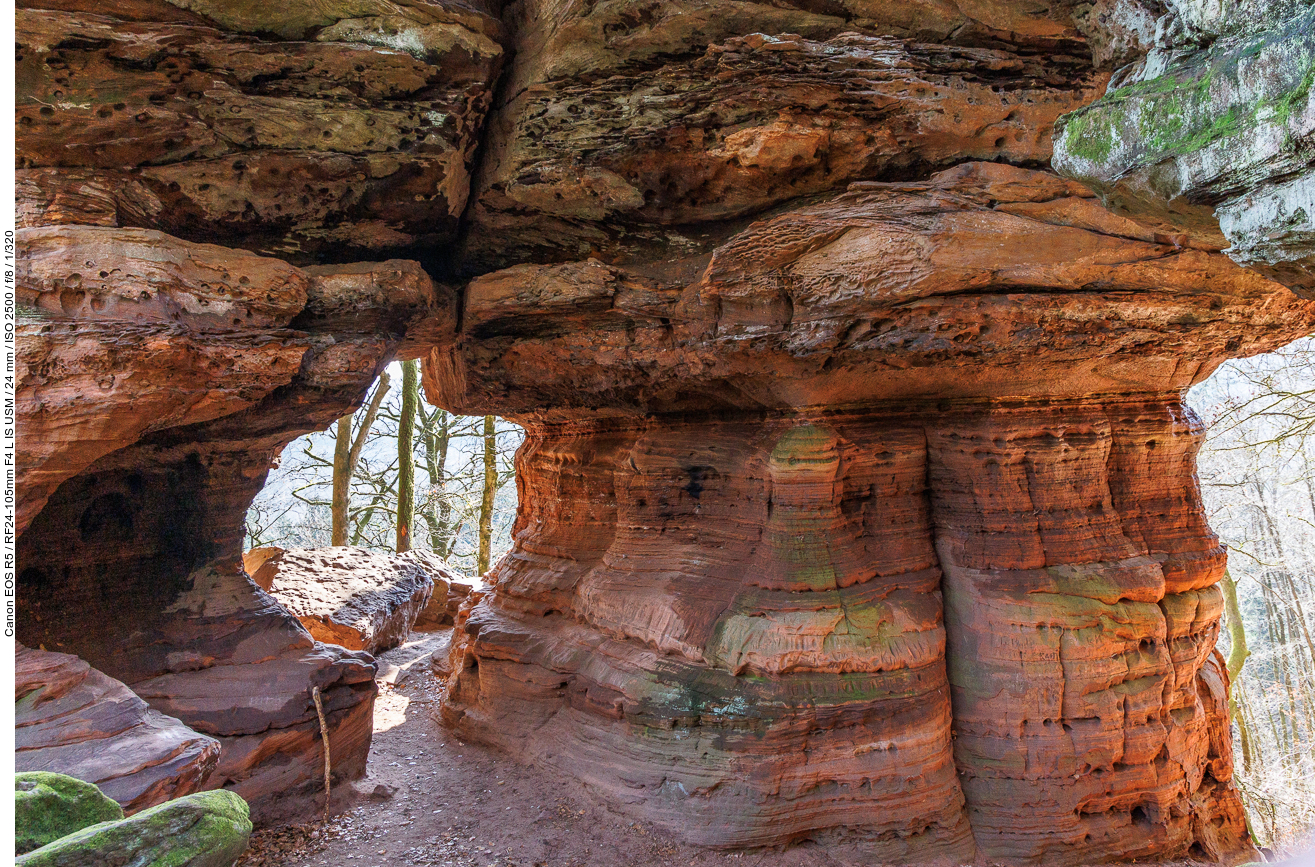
pixel 155 389
pixel 857 500
pixel 877 524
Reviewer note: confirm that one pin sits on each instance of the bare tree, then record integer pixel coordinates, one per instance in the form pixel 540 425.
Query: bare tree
pixel 406 465
pixel 346 454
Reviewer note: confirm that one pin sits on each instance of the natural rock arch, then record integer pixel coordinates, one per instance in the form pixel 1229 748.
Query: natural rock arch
pixel 684 245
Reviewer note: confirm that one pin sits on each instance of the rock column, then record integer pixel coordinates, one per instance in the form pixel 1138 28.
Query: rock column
pixel 879 525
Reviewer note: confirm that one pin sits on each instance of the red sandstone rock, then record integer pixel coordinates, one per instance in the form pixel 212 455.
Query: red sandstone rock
pixel 351 597
pixel 106 360
pixel 749 478
pixel 650 133
pixel 72 719
pixel 440 612
pixel 152 424
pixel 770 421
pixel 350 133
pixel 986 280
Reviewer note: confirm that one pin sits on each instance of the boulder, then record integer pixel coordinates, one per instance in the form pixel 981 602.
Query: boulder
pixel 207 829
pixel 49 806
pixel 72 719
pixel 351 597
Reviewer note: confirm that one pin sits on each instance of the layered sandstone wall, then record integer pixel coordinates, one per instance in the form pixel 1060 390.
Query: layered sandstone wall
pixel 877 525
pixel 158 381
pixel 857 498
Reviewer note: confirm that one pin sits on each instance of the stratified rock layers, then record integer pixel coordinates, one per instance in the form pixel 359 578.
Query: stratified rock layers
pixel 71 719
pixel 879 524
pixel 737 625
pixel 155 388
pixel 1081 612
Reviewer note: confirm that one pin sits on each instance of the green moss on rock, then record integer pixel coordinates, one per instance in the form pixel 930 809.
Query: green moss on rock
pixel 207 829
pixel 49 806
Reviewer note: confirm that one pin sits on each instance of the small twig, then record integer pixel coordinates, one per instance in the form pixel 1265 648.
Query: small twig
pixel 324 736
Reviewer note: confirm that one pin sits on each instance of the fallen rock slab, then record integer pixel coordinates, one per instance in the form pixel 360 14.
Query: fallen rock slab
pixel 72 719
pixel 207 829
pixel 449 592
pixel 351 597
pixel 49 806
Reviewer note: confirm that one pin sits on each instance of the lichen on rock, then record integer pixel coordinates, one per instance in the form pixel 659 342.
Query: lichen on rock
pixel 1214 140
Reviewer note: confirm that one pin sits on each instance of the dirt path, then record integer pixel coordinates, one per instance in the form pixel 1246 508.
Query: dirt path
pixel 456 804
pixel 445 803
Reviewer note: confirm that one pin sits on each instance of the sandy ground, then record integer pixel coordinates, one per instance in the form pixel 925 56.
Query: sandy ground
pixel 444 803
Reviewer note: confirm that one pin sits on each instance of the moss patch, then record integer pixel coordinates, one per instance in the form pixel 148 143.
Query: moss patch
pixel 49 806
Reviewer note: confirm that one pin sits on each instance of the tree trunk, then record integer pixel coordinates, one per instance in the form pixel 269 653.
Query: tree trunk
pixel 346 452
pixel 406 463
pixel 342 481
pixel 490 489
pixel 1237 657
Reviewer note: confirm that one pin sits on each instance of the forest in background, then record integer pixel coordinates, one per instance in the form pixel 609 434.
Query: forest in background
pixel 1257 472
pixel 462 488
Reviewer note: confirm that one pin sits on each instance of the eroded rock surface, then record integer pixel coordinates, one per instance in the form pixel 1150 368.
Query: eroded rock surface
pixel 71 719
pixel 914 447
pixel 654 129
pixel 351 597
pixel 1213 134
pixel 307 130
pixel 156 391
pixel 857 496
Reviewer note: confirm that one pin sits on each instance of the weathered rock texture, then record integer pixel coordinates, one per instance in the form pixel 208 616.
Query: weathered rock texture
pixel 351 597
pixel 880 523
pixel 306 129
pixel 71 719
pixel 1213 135
pixel 650 128
pixel 857 498
pixel 158 380
pixel 449 592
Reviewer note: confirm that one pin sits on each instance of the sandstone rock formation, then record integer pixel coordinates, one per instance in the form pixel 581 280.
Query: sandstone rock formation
pixel 156 385
pixel 73 720
pixel 747 489
pixel 857 498
pixel 449 592
pixel 643 129
pixel 307 130
pixel 1212 135
pixel 350 597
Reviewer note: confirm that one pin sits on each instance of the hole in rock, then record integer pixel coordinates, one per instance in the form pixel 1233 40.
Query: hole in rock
pixel 450 456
